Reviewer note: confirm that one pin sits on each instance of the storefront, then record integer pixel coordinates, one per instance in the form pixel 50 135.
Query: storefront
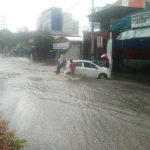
pixel 106 18
pixel 131 49
pixel 99 48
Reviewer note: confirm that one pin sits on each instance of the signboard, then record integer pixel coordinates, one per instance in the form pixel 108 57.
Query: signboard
pixel 61 45
pixel 87 37
pixel 99 41
pixel 140 20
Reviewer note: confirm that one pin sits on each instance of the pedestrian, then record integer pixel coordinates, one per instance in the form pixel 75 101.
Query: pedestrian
pixel 59 61
pixel 106 63
pixel 93 59
pixel 33 53
pixel 60 66
pixel 72 66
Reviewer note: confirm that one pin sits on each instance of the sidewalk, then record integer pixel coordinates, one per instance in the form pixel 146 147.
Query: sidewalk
pixel 137 77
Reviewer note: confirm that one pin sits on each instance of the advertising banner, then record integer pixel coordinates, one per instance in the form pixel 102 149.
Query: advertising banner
pixel 99 41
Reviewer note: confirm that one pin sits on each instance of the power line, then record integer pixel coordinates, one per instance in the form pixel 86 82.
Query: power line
pixel 76 4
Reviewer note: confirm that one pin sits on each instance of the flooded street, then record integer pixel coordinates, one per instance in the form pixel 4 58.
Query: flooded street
pixel 54 112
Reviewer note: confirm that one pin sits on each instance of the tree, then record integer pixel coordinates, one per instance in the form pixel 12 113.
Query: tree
pixel 43 43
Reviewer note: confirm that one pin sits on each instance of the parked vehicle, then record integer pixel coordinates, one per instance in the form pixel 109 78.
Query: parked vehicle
pixel 89 69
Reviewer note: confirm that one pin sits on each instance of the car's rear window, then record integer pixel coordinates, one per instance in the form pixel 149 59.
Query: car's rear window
pixel 78 64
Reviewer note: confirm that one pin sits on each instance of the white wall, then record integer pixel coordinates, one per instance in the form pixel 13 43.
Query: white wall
pixel 73 53
pixel 125 2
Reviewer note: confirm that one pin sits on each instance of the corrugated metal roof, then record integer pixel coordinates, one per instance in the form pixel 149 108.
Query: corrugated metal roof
pixel 125 23
pixel 113 12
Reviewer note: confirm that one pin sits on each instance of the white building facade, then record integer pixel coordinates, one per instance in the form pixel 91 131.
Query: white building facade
pixel 53 19
pixel 70 25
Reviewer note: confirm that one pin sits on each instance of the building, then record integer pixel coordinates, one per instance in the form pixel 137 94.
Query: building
pixel 75 27
pixel 38 23
pixel 131 3
pixel 109 15
pixel 51 19
pixel 54 20
pixel 67 48
pixel 67 23
pixel 120 52
pixel 131 48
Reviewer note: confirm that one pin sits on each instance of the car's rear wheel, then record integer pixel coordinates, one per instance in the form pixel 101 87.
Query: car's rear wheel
pixel 102 76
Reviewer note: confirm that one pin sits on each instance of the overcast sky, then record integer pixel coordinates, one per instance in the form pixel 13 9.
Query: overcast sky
pixel 19 13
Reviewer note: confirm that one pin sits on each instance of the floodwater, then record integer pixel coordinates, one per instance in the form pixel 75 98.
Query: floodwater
pixel 54 112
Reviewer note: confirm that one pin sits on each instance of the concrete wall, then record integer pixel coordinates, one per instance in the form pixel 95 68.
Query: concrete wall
pixel 73 53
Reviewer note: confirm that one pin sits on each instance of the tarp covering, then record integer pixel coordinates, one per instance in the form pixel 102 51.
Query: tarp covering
pixel 125 23
pixel 134 33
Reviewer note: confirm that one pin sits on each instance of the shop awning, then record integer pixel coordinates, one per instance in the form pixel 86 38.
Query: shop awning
pixel 134 33
pixel 125 23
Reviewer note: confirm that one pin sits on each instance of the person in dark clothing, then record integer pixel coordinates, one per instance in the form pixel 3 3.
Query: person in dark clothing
pixel 93 59
pixel 106 64
pixel 60 66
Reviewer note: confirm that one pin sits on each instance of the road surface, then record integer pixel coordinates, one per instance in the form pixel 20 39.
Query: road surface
pixel 54 112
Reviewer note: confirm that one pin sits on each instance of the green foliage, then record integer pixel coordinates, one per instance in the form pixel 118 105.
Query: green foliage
pixel 7 38
pixel 22 39
pixel 8 139
pixel 43 37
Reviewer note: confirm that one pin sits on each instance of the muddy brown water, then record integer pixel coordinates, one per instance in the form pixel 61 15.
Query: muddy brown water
pixel 54 112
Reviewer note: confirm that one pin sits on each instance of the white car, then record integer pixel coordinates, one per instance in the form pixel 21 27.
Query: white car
pixel 89 69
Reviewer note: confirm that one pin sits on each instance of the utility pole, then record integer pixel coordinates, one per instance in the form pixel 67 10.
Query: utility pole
pixel 92 29
pixel 2 22
pixel 2 27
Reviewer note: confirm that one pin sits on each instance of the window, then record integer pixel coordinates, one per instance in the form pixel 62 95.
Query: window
pixel 78 64
pixel 89 65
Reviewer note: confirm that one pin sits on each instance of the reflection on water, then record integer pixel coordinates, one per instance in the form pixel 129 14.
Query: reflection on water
pixel 73 113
